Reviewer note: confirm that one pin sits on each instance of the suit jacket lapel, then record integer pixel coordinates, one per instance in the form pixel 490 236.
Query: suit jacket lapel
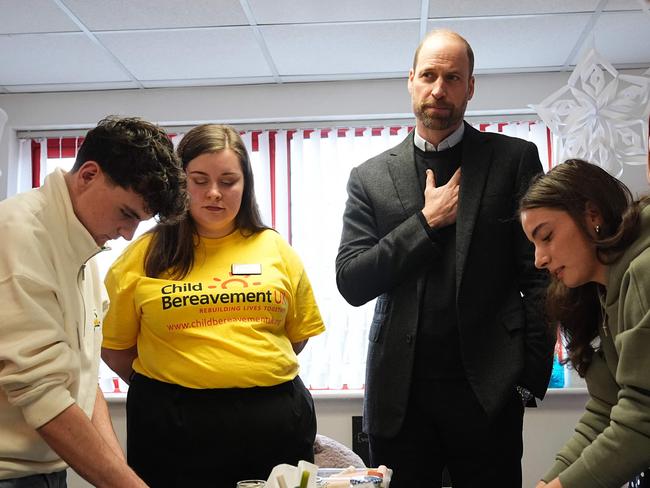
pixel 477 159
pixel 401 166
pixel 475 165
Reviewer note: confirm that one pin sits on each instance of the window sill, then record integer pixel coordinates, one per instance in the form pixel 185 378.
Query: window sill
pixel 567 391
pixel 120 397
pixel 355 394
pixel 337 394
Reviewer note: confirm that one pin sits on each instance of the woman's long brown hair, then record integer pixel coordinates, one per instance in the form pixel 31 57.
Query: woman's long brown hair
pixel 171 250
pixel 571 187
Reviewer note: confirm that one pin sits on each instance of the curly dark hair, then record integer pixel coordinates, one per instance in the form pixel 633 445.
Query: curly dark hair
pixel 571 187
pixel 138 155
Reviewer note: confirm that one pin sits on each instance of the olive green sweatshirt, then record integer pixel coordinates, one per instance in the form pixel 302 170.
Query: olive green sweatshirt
pixel 611 443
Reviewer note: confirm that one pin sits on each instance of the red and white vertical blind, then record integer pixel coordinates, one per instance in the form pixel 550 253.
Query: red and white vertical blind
pixel 300 184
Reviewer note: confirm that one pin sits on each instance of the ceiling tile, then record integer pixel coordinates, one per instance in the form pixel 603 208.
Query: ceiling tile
pixel 156 14
pixel 33 16
pixel 55 58
pixel 625 5
pixel 312 49
pixel 209 42
pixel 309 11
pixel 208 82
pixel 481 8
pixel 525 45
pixel 224 52
pixel 618 35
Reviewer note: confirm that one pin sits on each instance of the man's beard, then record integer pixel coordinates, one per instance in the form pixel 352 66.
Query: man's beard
pixel 454 116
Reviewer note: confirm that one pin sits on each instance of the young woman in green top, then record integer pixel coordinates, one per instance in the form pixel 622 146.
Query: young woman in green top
pixel 595 242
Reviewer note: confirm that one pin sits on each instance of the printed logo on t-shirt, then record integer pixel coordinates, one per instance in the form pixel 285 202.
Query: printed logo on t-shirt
pixel 227 301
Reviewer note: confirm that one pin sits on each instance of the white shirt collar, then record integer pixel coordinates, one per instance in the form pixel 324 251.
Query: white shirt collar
pixel 450 141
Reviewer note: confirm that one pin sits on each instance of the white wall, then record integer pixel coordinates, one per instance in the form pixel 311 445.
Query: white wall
pixel 255 104
pixel 293 101
pixel 259 105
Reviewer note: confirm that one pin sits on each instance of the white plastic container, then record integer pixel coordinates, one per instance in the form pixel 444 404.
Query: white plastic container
pixel 340 478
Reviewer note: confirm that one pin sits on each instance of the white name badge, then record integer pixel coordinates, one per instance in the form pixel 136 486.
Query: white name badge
pixel 246 269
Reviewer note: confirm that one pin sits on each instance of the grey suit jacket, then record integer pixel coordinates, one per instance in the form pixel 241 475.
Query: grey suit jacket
pixel 385 252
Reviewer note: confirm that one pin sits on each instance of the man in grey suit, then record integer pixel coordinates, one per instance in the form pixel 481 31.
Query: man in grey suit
pixel 458 343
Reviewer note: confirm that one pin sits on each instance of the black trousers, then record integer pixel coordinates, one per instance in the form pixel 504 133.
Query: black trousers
pixel 50 480
pixel 181 437
pixel 446 426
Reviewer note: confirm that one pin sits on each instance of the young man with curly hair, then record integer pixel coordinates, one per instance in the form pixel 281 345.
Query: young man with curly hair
pixel 52 413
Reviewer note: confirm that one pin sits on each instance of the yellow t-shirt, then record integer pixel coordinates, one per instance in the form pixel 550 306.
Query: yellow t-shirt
pixel 218 327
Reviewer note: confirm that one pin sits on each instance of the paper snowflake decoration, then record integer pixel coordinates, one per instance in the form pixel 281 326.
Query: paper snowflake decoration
pixel 600 116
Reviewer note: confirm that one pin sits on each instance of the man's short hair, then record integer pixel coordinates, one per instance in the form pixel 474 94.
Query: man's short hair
pixel 449 33
pixel 138 155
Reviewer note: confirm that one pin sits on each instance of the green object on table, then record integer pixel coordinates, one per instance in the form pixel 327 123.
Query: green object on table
pixel 304 479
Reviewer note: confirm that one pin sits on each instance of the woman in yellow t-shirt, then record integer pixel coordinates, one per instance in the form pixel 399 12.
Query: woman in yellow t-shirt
pixel 205 321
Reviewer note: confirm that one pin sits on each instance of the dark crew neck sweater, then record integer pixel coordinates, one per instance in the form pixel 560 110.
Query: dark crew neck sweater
pixel 437 351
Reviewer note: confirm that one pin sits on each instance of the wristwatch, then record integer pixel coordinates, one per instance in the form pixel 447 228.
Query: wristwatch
pixel 525 394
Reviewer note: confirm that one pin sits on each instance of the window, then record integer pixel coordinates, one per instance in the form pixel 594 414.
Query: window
pixel 321 161
pixel 300 183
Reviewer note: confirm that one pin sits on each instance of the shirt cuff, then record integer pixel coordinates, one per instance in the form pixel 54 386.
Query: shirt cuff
pixel 48 406
pixel 555 471
pixel 431 232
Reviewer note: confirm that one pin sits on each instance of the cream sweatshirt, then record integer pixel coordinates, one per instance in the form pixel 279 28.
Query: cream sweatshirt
pixel 50 322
